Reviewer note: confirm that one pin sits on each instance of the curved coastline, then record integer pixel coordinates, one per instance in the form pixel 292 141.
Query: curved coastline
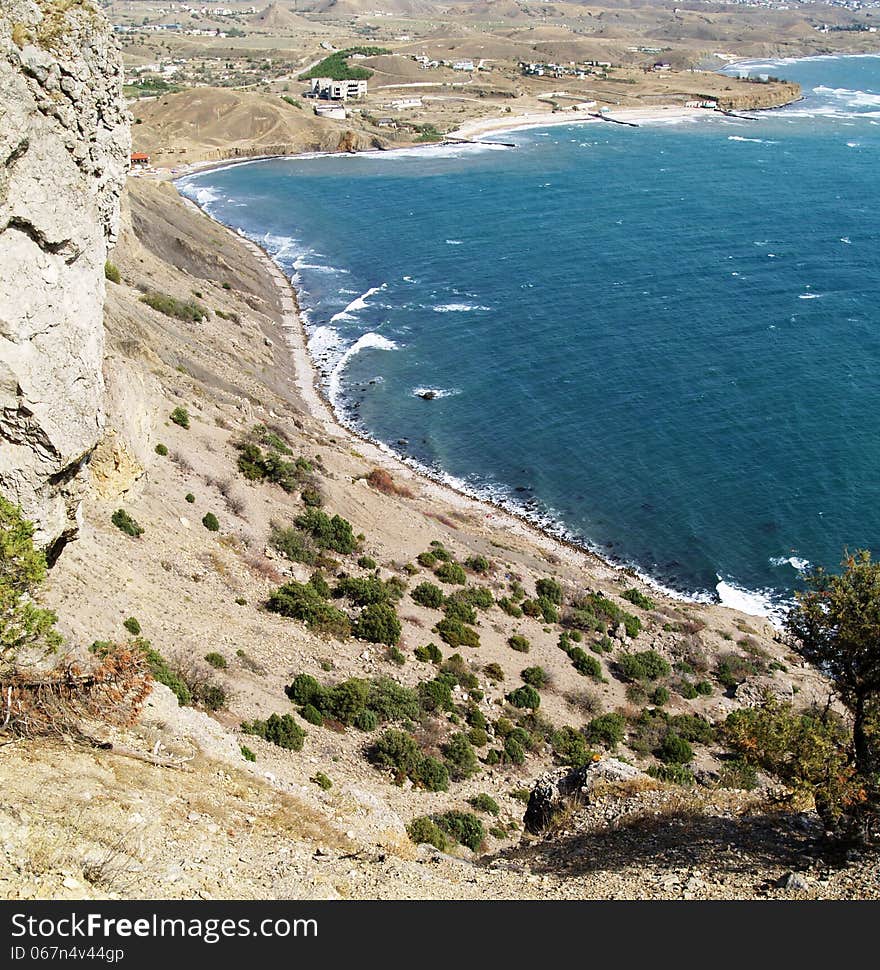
pixel 546 532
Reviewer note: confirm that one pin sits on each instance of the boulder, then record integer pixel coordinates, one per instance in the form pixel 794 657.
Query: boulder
pixel 555 791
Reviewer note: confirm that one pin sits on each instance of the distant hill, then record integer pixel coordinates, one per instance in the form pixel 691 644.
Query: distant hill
pixel 279 18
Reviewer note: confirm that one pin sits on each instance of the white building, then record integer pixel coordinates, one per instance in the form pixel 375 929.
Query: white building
pixel 330 90
pixel 463 66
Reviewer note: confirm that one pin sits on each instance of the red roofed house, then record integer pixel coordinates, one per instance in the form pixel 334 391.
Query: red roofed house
pixel 140 159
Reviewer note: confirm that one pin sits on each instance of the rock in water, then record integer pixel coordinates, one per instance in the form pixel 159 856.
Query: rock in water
pixel 64 145
pixel 428 395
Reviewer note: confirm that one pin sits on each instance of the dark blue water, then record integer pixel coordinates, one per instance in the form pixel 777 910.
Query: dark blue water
pixel 663 340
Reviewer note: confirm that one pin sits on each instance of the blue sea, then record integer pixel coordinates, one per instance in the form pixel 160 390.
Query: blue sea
pixel 661 342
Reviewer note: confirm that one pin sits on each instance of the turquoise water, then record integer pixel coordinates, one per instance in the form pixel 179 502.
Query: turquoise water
pixel 663 341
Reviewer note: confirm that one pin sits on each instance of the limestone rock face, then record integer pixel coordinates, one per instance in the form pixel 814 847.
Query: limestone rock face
pixel 64 146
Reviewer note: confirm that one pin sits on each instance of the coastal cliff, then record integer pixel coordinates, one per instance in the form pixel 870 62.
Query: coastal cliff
pixel 64 144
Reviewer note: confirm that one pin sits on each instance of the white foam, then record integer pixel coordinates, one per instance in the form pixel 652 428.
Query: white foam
pixel 755 603
pixel 810 296
pixel 846 240
pixel 438 392
pixel 369 341
pixel 459 307
pixel 323 342
pixel 202 195
pixel 796 562
pixel 360 303
pixel 453 242
pixel 757 141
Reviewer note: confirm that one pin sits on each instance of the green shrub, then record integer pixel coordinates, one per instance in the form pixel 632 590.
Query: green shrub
pixel 676 774
pixel 687 690
pixel 646 665
pixel 301 601
pixel 475 596
pixel 377 623
pixel 435 695
pixel 462 612
pixel 660 696
pixel 161 450
pixel 549 589
pixel 111 272
pixel 525 696
pixel 190 497
pixel 427 559
pixel 509 607
pixel 283 731
pixel 292 544
pixel 396 656
pixel 399 751
pixel 257 465
pixel 738 774
pixel 311 714
pixel 305 689
pixel 187 310
pixel 424 831
pixel 429 595
pixel 494 672
pixel 366 720
pixel 366 562
pixel 333 533
pixel 607 729
pixel 247 754
pixel 321 780
pixel 638 598
pixel 164 674
pixel 570 747
pixel 692 727
pixel 451 573
pixel 125 523
pixel 210 696
pixel 595 611
pixel 675 750
pixel 180 417
pixel 429 654
pixel 456 634
pixel 216 660
pixel 461 761
pixel 584 664
pixel 133 626
pixel 514 751
pixel 535 677
pixel 391 701
pixel 477 564
pixel 519 643
pixel 369 590
pixel 211 522
pixel 313 499
pixel 485 803
pixel 464 827
pixel 344 701
pixel 733 669
pixel 704 688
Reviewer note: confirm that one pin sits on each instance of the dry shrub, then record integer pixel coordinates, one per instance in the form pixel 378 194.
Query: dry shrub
pixel 442 519
pixel 262 568
pixel 58 702
pixel 384 482
pixel 181 461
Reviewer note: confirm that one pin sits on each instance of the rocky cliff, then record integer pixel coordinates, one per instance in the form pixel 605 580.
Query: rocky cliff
pixel 64 144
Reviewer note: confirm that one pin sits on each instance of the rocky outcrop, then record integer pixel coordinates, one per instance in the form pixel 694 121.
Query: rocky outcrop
pixel 555 792
pixel 64 145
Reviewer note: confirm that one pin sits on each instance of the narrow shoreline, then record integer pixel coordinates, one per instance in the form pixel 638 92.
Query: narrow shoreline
pixel 307 378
